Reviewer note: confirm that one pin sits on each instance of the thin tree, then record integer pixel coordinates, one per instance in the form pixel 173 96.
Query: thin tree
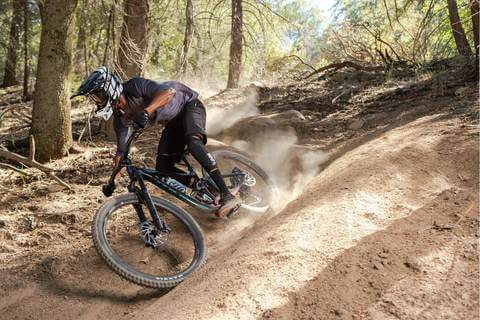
pixel 81 46
pixel 236 45
pixel 187 40
pixel 474 10
pixel 133 40
pixel 26 57
pixel 457 29
pixel 51 122
pixel 133 46
pixel 110 27
pixel 10 75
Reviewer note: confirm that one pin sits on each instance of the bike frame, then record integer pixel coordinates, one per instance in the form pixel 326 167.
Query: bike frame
pixel 138 176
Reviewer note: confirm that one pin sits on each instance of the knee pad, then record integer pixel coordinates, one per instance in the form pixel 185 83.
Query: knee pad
pixel 200 153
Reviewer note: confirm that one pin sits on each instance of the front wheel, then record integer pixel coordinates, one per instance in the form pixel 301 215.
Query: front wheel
pixel 247 179
pixel 118 239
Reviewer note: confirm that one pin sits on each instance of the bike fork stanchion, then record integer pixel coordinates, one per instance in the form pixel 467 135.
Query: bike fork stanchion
pixel 141 215
pixel 143 194
pixel 137 206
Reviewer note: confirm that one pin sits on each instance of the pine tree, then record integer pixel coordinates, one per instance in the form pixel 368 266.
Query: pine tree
pixel 133 40
pixel 51 122
pixel 10 75
pixel 236 45
pixel 457 29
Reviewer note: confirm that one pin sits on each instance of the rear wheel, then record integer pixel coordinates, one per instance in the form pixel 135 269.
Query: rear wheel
pixel 118 239
pixel 252 183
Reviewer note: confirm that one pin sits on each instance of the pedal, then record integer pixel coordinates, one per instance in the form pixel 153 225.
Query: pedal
pixel 233 212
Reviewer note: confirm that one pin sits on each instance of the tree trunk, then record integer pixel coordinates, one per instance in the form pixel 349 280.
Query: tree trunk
pixel 198 60
pixel 474 11
pixel 133 47
pixel 187 40
pixel 26 58
pixel 10 75
pixel 236 45
pixel 133 40
pixel 457 29
pixel 110 26
pixel 51 122
pixel 80 56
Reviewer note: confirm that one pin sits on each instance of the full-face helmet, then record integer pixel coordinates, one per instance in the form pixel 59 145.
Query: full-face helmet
pixel 104 88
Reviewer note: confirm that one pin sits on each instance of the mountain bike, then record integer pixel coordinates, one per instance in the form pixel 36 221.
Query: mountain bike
pixel 151 241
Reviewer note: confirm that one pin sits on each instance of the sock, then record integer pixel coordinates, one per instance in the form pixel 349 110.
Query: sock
pixel 218 179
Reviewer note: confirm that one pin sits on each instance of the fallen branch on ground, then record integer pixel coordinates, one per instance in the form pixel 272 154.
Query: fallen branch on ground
pixel 22 117
pixel 6 110
pixel 4 153
pixel 9 108
pixel 344 64
pixel 344 92
pixel 7 166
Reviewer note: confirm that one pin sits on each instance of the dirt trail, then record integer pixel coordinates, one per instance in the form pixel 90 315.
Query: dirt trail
pixel 388 228
pixel 364 214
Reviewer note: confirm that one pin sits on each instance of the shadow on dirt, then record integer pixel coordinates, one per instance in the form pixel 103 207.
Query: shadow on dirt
pixel 89 278
pixel 59 287
pixel 362 275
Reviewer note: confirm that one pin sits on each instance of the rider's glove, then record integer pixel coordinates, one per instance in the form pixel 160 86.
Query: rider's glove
pixel 141 120
pixel 108 189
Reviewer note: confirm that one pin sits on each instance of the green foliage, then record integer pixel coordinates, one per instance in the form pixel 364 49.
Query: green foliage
pixel 410 30
pixel 34 35
pixel 415 31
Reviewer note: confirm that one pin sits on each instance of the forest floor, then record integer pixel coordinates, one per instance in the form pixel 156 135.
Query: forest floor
pixel 377 215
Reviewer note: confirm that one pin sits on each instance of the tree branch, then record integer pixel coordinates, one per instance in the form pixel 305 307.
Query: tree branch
pixel 4 153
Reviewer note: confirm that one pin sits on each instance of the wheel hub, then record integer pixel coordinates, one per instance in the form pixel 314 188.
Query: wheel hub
pixel 151 236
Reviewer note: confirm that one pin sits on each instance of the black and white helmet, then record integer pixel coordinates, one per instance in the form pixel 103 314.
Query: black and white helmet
pixel 104 88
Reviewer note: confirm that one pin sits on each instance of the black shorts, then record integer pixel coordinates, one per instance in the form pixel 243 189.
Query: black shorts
pixel 190 121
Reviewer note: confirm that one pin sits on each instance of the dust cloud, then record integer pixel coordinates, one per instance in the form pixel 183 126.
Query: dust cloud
pixel 221 118
pixel 290 166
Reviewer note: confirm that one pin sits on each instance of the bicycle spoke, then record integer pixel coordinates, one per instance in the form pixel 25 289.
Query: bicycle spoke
pixel 166 259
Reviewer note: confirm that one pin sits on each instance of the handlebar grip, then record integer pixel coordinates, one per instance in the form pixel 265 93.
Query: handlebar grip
pixel 108 189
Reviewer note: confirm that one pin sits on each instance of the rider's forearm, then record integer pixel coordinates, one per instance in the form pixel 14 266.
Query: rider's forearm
pixel 117 168
pixel 161 100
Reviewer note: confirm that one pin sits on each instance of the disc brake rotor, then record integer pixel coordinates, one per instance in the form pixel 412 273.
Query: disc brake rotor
pixel 242 177
pixel 249 180
pixel 151 236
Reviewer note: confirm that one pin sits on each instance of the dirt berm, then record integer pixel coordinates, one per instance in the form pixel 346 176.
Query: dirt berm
pixel 386 231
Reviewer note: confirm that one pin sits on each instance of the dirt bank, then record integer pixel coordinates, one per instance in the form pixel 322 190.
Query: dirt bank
pixel 376 230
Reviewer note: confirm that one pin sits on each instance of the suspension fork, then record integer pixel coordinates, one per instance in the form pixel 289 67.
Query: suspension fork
pixel 144 197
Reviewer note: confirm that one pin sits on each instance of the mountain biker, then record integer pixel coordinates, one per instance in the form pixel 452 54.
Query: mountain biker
pixel 140 101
